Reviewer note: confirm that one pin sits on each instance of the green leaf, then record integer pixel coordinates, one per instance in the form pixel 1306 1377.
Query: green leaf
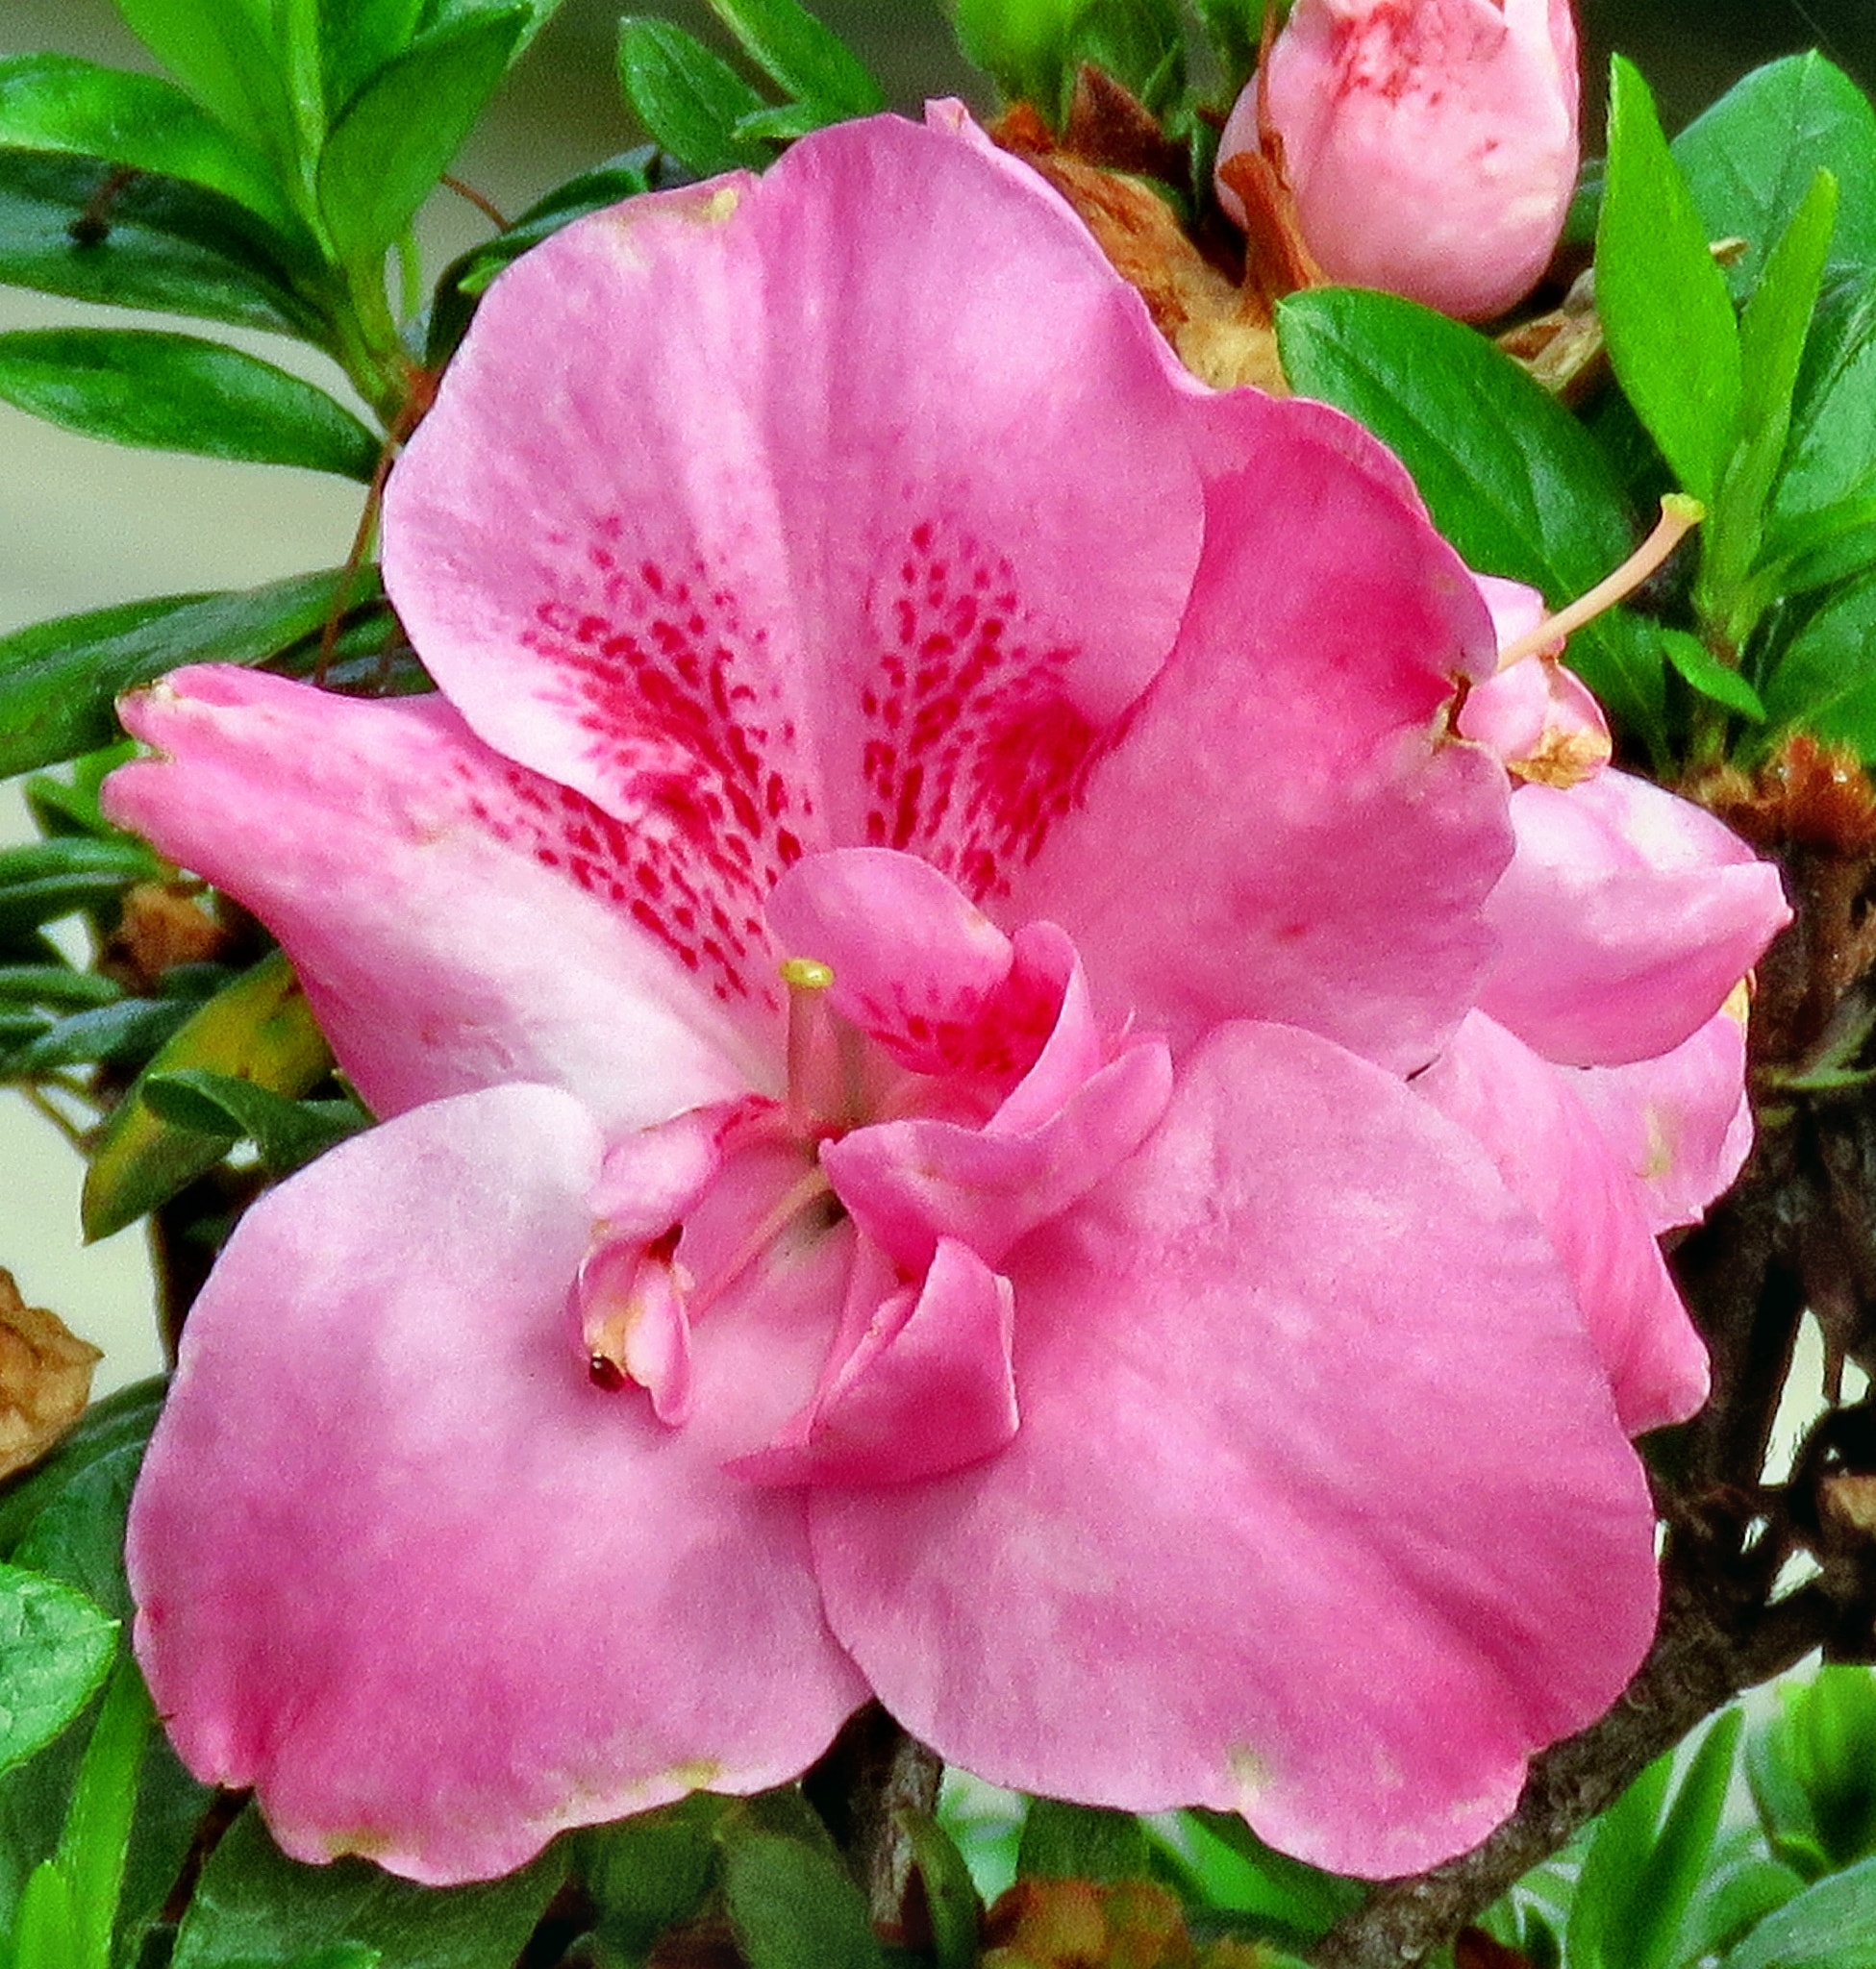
pixel 1705 673
pixel 688 99
pixel 176 392
pixel 951 1900
pixel 95 1844
pixel 1677 1862
pixel 219 51
pixel 59 103
pixel 123 1034
pixel 801 56
pixel 1082 1842
pixel 1750 160
pixel 1665 313
pixel 259 1028
pixel 1812 1769
pixel 792 1904
pixel 1831 452
pixel 93 232
pixel 59 680
pixel 255 1906
pixel 1613 1870
pixel 651 1872
pixel 1772 335
pixel 46 880
pixel 288 1133
pixel 124 1417
pixel 45 1924
pixel 1140 43
pixel 54 1649
pixel 358 38
pixel 77 1538
pixel 386 153
pixel 1232 27
pixel 57 985
pixel 1825 679
pixel 1511 478
pixel 1830 1926
pixel 1260 1880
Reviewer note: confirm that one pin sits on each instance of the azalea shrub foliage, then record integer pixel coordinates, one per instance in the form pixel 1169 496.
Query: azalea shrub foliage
pixel 987 1107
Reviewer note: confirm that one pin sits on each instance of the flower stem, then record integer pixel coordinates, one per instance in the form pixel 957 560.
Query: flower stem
pixel 872 1771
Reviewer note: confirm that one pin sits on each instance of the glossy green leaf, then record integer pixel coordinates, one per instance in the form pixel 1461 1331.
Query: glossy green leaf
pixel 688 99
pixel 1666 316
pixel 1699 668
pixel 219 50
pixel 59 680
pixel 1678 1858
pixel 1614 1868
pixel 1751 158
pixel 397 137
pixel 1081 1842
pixel 255 1904
pixel 1813 1767
pixel 438 14
pixel 1139 42
pixel 1734 1902
pixel 1831 452
pixel 176 393
pixel 792 1904
pixel 288 1135
pixel 649 1873
pixel 801 56
pixel 60 103
pixel 55 1647
pixel 358 38
pixel 95 1844
pixel 1260 1880
pixel 1772 335
pixel 259 1028
pixel 1825 679
pixel 1830 1926
pixel 78 1536
pixel 122 1418
pixel 1511 478
pixel 951 1905
pixel 84 229
pixel 45 1924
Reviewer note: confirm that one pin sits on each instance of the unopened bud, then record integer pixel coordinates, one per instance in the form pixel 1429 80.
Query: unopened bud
pixel 1430 144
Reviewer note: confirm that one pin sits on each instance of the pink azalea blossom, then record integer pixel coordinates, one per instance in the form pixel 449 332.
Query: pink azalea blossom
pixel 1430 144
pixel 893 967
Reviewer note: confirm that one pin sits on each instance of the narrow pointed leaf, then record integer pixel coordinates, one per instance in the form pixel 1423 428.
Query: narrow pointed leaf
pixel 1665 313
pixel 123 1034
pixel 88 230
pixel 1751 158
pixel 798 54
pixel 358 39
pixel 1511 479
pixel 175 392
pixel 1830 459
pixel 54 1649
pixel 122 1419
pixel 793 1906
pixel 288 1133
pixel 688 99
pixel 1677 1862
pixel 1825 679
pixel 1701 670
pixel 95 1844
pixel 397 136
pixel 217 50
pixel 46 880
pixel 259 1029
pixel 60 103
pixel 45 1927
pixel 59 680
pixel 1612 1872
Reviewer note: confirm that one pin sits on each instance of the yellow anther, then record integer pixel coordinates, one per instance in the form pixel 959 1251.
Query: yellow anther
pixel 806 973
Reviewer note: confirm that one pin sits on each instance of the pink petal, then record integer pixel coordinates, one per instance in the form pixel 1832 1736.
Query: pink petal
pixel 1681 1124
pixel 927 1389
pixel 1531 1119
pixel 870 554
pixel 403 1569
pixel 1319 1507
pixel 457 922
pixel 1284 831
pixel 1626 918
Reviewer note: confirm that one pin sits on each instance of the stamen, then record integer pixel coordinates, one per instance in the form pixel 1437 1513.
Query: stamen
pixel 1679 515
pixel 809 982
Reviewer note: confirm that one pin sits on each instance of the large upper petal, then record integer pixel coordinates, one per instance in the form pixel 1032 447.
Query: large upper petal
pixel 1284 829
pixel 1627 916
pixel 1558 1158
pixel 402 1567
pixel 868 553
pixel 456 920
pixel 1318 1508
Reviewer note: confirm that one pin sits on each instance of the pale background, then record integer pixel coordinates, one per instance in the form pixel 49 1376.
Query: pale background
pixel 83 524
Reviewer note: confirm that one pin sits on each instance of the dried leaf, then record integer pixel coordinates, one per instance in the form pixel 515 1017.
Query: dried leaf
pixel 45 1379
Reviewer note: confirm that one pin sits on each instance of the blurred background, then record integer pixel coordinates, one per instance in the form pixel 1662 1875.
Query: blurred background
pixel 82 525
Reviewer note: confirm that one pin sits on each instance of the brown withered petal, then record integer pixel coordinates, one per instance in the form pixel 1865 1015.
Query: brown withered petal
pixel 45 1379
pixel 160 930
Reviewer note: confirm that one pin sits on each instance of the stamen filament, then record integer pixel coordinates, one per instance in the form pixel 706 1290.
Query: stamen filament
pixel 1679 516
pixel 808 981
pixel 799 1197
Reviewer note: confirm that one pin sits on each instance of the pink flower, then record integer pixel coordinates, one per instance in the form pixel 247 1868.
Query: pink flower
pixel 892 966
pixel 1430 144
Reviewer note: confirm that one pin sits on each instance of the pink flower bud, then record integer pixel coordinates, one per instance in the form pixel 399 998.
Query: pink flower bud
pixel 1430 144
